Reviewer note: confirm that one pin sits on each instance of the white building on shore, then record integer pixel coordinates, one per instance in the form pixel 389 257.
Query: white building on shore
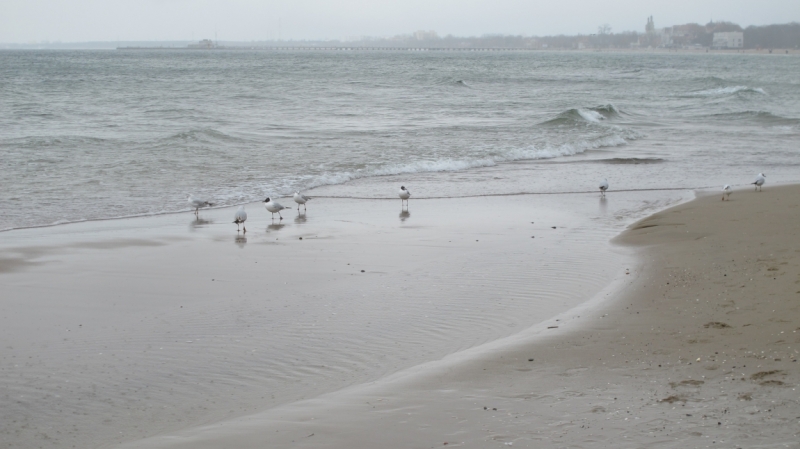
pixel 423 35
pixel 730 39
pixel 205 43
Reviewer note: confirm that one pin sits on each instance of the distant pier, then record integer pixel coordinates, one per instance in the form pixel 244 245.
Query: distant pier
pixel 335 48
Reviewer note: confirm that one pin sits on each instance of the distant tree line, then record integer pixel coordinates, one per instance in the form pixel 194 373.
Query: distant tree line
pixel 773 36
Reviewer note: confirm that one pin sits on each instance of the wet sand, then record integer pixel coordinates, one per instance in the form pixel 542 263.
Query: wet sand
pixel 119 330
pixel 696 347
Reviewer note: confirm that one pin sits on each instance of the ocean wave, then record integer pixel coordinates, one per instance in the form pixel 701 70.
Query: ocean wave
pixel 727 90
pixel 760 117
pixel 57 141
pixel 201 135
pixel 596 114
pixel 532 152
pixel 711 79
pixel 281 187
pixel 449 81
pixel 631 160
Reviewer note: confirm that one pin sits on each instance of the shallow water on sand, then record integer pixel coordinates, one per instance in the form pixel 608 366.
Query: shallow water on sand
pixel 154 324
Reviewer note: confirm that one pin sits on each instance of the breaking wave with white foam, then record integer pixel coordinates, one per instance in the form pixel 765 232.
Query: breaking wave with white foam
pixel 728 90
pixel 446 164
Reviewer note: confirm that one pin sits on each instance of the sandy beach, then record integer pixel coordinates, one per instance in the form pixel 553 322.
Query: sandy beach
pixel 696 347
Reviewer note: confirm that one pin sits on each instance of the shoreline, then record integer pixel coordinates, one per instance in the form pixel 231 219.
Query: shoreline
pixel 288 200
pixel 361 48
pixel 676 359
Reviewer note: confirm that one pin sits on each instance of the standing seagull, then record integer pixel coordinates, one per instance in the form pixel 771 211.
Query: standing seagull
pixel 240 217
pixel 760 180
pixel 197 203
pixel 300 199
pixel 274 207
pixel 726 192
pixel 404 194
pixel 603 187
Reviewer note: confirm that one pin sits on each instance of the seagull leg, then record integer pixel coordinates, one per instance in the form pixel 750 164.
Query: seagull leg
pixel 279 214
pixel 245 228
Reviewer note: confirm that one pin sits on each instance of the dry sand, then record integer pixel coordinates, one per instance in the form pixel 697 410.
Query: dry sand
pixel 696 347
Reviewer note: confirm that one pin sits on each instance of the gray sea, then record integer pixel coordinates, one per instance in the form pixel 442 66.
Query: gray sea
pixel 88 135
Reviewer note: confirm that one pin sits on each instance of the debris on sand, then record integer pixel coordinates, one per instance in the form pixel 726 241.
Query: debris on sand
pixel 693 383
pixel 672 399
pixel 763 374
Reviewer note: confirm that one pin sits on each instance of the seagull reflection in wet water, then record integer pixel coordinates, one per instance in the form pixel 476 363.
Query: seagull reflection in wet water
pixel 300 218
pixel 404 215
pixel 199 223
pixel 240 240
pixel 275 226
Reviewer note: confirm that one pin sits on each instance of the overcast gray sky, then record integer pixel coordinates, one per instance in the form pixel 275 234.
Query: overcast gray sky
pixel 24 21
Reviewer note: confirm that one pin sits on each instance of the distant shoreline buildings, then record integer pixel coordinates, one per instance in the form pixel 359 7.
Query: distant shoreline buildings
pixel 713 35
pixel 728 39
pixel 205 44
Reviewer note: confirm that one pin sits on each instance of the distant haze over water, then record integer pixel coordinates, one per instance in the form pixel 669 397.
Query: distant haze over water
pixel 96 134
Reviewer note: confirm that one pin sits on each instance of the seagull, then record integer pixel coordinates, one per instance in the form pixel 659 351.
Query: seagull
pixel 300 199
pixel 197 203
pixel 726 192
pixel 603 187
pixel 404 194
pixel 240 217
pixel 274 207
pixel 760 180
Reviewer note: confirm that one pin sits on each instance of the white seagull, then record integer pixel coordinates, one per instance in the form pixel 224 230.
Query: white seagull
pixel 760 180
pixel 300 199
pixel 197 203
pixel 726 192
pixel 603 187
pixel 273 207
pixel 240 218
pixel 404 194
